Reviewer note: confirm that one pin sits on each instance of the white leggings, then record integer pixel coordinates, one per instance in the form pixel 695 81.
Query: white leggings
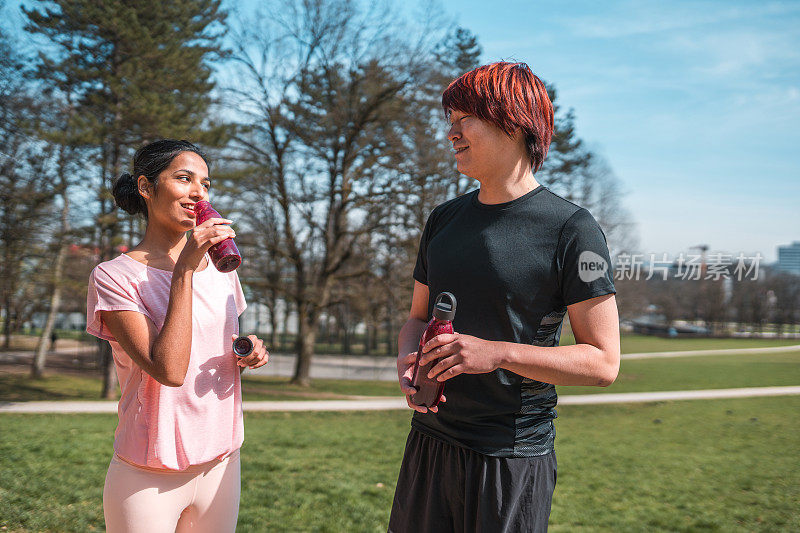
pixel 202 498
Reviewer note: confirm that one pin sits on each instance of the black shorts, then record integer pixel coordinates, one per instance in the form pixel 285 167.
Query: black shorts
pixel 446 488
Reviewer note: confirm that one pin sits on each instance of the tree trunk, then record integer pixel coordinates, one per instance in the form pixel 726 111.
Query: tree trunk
pixel 110 380
pixel 273 325
pixel 306 335
pixel 109 372
pixel 368 333
pixel 40 357
pixel 390 334
pixel 7 324
pixel 376 334
pixel 346 339
pixel 284 326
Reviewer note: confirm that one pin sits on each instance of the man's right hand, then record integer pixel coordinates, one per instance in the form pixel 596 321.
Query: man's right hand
pixel 405 371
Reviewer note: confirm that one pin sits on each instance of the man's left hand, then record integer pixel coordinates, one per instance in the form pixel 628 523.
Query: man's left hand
pixel 460 354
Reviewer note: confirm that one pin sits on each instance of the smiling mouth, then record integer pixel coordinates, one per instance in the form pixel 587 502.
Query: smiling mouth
pixel 460 149
pixel 188 207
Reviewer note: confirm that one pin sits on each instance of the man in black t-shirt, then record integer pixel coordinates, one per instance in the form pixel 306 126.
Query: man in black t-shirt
pixel 518 258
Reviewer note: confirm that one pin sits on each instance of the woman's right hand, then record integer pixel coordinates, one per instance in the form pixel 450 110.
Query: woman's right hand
pixel 203 237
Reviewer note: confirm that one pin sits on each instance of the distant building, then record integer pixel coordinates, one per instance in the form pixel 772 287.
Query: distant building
pixel 789 258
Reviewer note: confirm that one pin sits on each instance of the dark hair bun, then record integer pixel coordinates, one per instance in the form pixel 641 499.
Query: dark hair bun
pixel 126 195
pixel 149 161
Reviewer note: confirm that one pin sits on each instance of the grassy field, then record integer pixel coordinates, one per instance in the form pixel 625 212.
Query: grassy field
pixel 674 373
pixel 721 465
pixel 702 372
pixel 20 388
pixel 15 387
pixel 647 343
pixel 631 343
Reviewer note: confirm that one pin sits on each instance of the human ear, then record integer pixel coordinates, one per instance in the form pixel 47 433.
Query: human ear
pixel 143 185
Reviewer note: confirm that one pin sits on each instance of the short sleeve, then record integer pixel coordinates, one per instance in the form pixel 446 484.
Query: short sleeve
pixel 584 264
pixel 238 294
pixel 109 292
pixel 421 268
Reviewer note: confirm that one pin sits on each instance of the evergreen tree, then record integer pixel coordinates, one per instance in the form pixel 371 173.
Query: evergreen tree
pixel 138 71
pixel 459 52
pixel 567 160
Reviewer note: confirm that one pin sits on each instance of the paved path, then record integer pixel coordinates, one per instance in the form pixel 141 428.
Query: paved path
pixel 381 403
pixel 360 367
pixel 710 394
pixel 724 351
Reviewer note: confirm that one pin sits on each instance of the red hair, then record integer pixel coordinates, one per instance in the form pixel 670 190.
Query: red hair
pixel 509 96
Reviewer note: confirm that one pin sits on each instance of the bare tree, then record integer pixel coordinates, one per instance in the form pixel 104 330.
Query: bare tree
pixel 324 104
pixel 25 198
pixel 60 133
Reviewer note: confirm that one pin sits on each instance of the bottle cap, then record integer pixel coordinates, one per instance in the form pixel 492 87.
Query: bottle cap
pixel 242 346
pixel 444 308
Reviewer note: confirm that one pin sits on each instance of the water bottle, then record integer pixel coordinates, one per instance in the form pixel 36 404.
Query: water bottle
pixel 225 255
pixel 429 391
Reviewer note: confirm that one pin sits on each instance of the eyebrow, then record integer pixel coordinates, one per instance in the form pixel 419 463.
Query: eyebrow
pixel 451 112
pixel 189 172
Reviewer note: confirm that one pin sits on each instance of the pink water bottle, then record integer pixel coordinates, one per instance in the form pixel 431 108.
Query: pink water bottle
pixel 429 391
pixel 225 255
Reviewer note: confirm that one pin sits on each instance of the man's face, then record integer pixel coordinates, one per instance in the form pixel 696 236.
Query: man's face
pixel 481 148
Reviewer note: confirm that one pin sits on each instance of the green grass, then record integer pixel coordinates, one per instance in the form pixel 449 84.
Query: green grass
pixel 639 375
pixel 631 343
pixel 719 465
pixel 646 343
pixel 20 388
pixel 722 465
pixel 701 372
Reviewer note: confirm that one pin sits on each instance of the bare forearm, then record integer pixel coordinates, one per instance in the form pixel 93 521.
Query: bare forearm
pixel 173 345
pixel 410 333
pixel 579 364
pixel 408 345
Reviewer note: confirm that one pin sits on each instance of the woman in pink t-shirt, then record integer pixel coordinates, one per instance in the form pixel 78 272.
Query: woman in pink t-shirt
pixel 170 317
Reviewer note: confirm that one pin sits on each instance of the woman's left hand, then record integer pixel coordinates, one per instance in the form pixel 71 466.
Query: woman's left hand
pixel 258 357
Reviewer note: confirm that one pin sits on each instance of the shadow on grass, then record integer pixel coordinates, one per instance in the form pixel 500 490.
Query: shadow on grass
pixel 22 388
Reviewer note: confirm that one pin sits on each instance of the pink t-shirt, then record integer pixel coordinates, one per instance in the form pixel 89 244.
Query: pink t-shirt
pixel 174 427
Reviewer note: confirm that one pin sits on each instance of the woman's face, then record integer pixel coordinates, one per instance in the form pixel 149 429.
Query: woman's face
pixel 181 185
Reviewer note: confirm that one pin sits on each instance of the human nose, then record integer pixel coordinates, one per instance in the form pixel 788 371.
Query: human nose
pixel 197 191
pixel 454 133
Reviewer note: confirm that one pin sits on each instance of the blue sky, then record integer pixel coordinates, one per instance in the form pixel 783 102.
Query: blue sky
pixel 696 106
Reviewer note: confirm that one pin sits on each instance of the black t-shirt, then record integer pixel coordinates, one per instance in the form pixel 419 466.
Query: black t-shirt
pixel 513 267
